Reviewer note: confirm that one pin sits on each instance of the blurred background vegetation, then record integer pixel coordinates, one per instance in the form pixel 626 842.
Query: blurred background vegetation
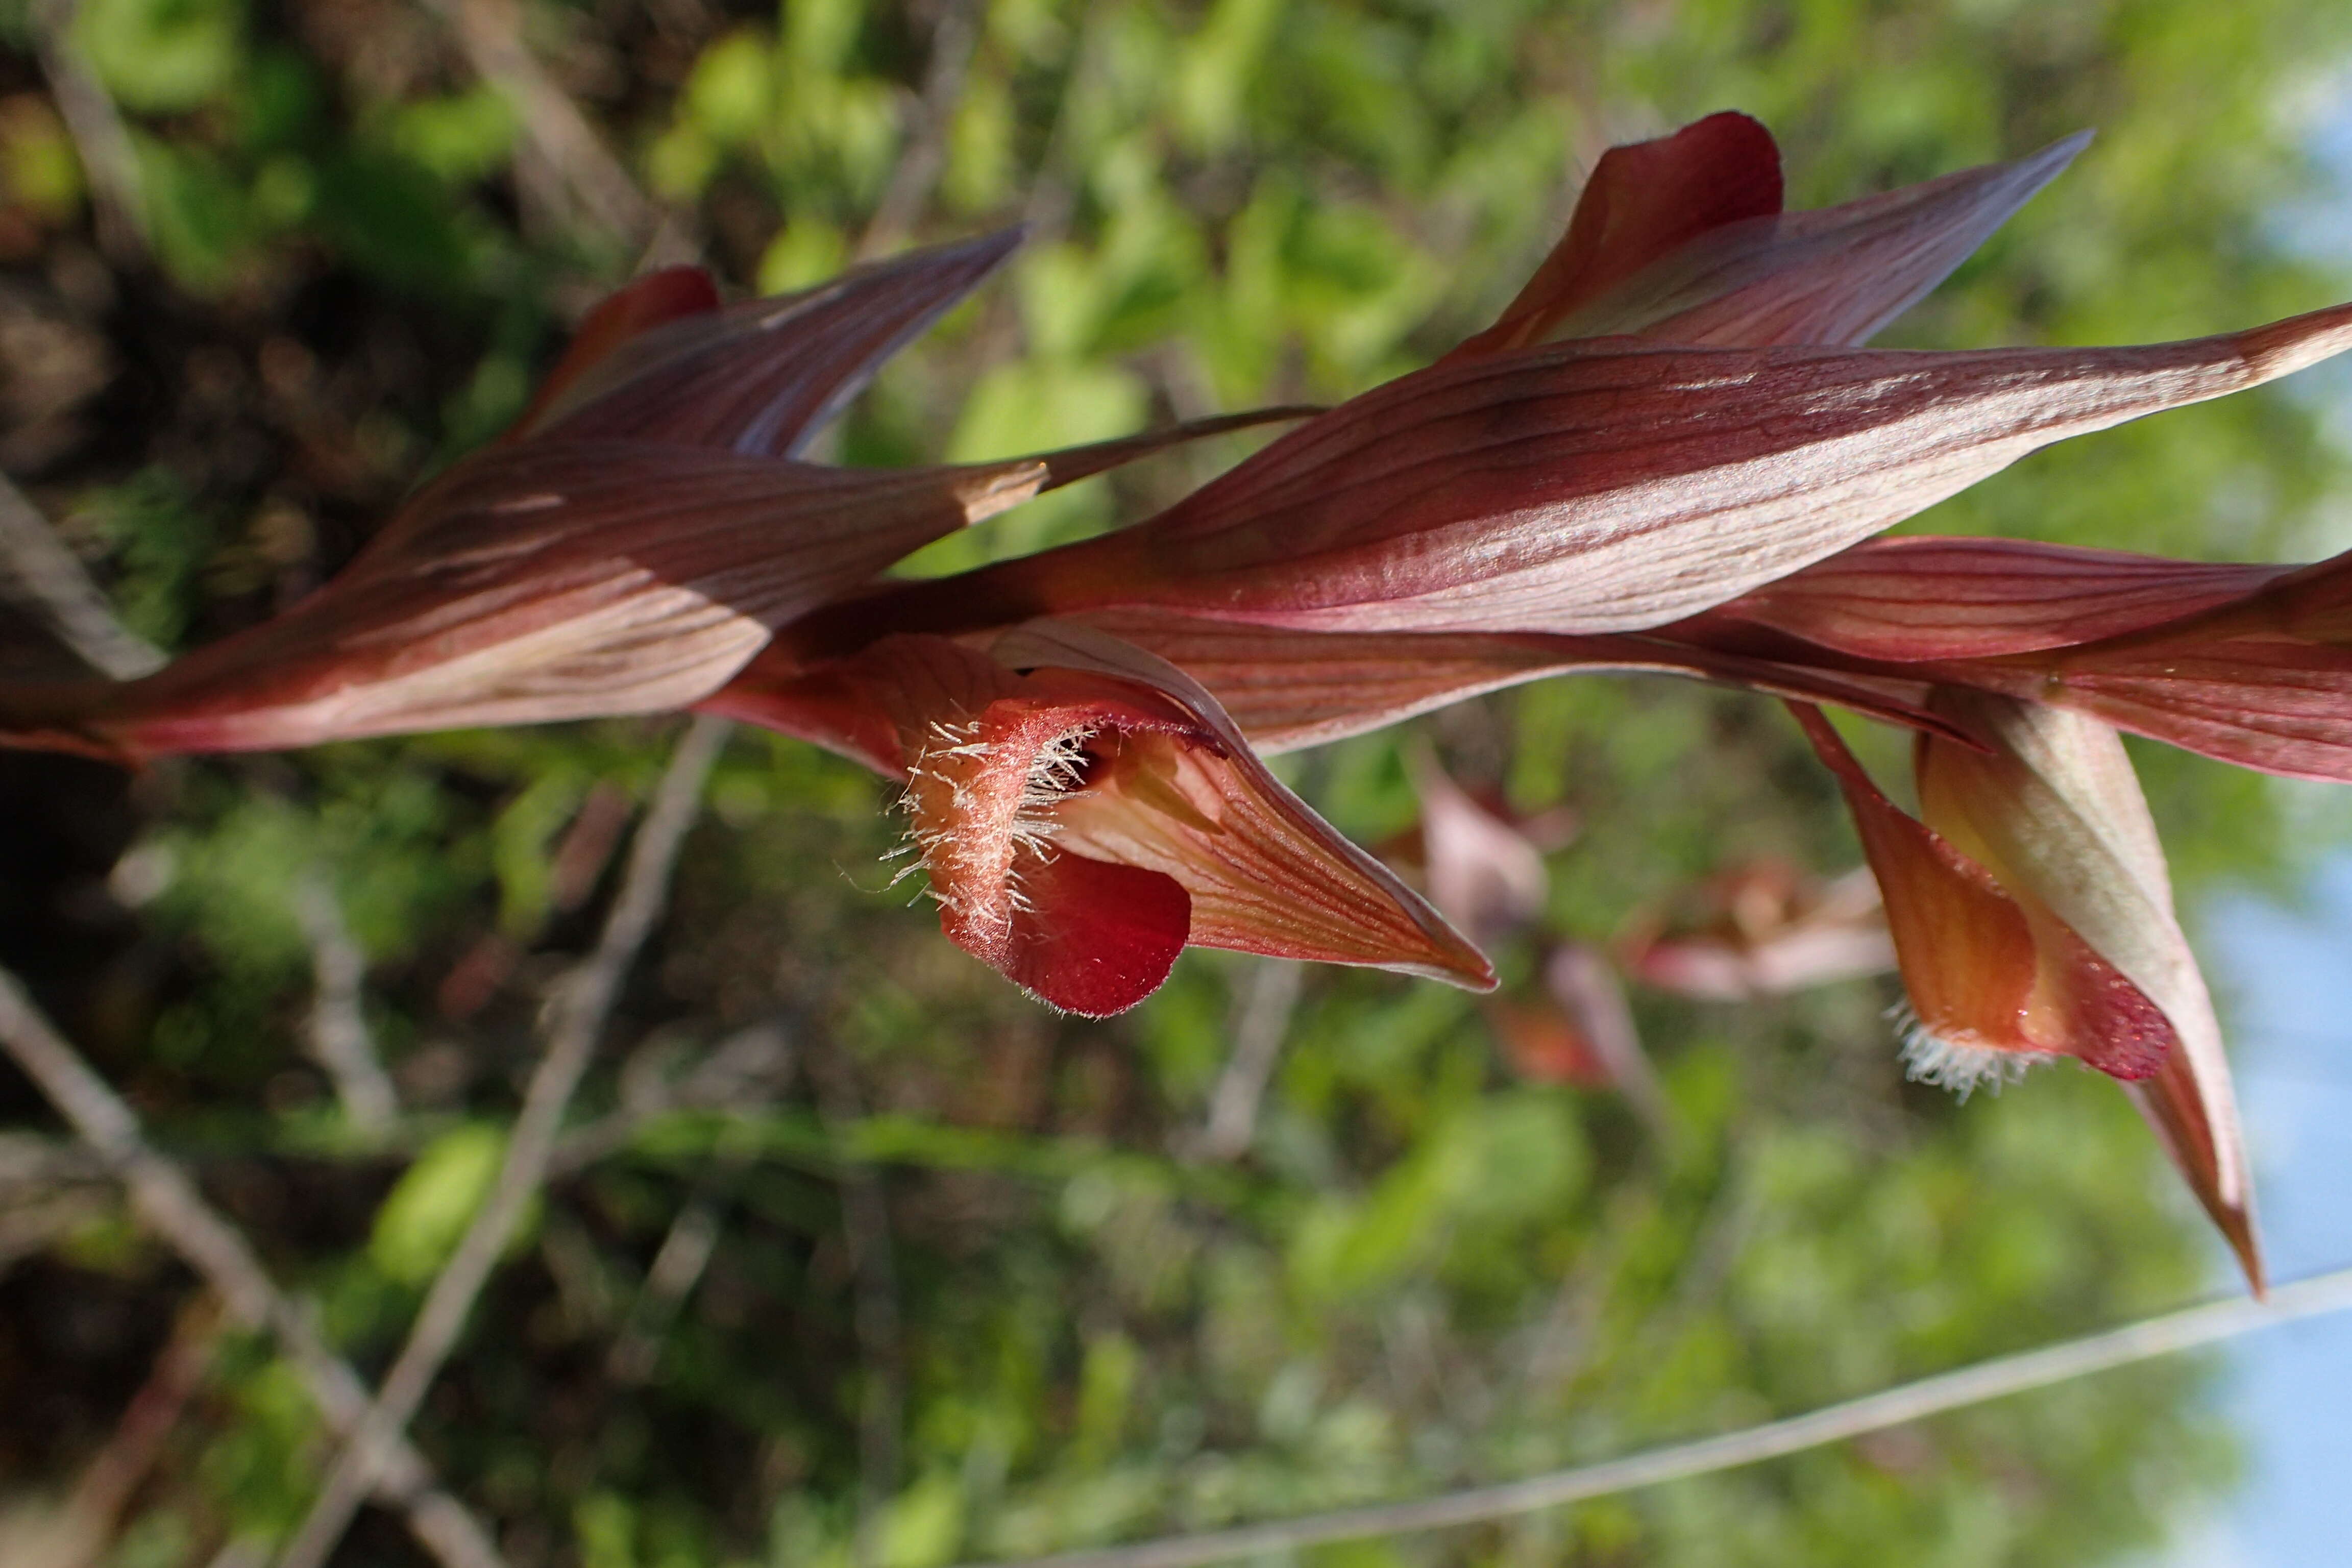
pixel 948 1276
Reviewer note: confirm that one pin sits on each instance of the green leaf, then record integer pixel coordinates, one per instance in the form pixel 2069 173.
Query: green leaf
pixel 163 56
pixel 418 1225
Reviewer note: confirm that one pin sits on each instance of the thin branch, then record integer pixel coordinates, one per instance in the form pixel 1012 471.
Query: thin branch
pixel 743 1072
pixel 677 1269
pixel 685 1252
pixel 41 574
pixel 1586 985
pixel 177 1213
pixel 1260 1021
pixel 109 161
pixel 873 1266
pixel 339 1037
pixel 2144 1341
pixel 916 171
pixel 575 1020
pixel 1047 213
pixel 489 35
pixel 94 1510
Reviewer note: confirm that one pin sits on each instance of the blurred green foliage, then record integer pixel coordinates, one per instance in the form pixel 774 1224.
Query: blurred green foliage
pixel 1424 1270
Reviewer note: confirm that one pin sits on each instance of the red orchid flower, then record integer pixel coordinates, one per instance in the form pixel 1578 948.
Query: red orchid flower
pixel 2032 918
pixel 626 548
pixel 2030 906
pixel 1528 507
pixel 1083 812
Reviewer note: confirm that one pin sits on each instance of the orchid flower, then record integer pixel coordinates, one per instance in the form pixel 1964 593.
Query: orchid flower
pixel 1082 811
pixel 2032 918
pixel 1637 468
pixel 1669 452
pixel 625 549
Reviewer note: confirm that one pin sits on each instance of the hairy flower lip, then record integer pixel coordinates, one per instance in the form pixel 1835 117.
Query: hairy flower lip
pixel 2056 799
pixel 1170 792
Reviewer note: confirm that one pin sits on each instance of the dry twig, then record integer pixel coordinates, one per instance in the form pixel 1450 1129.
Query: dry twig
pixel 746 1070
pixel 172 1208
pixel 873 1266
pixel 108 160
pixel 686 1251
pixel 575 1020
pixel 339 1030
pixel 490 34
pixel 1987 1380
pixel 916 171
pixel 1260 1021
pixel 41 574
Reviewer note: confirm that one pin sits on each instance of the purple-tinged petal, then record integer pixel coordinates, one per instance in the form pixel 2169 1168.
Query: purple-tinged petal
pixel 552 579
pixel 1643 202
pixel 2262 680
pixel 1290 688
pixel 1928 597
pixel 762 377
pixel 1591 488
pixel 1835 275
pixel 2279 708
pixel 655 299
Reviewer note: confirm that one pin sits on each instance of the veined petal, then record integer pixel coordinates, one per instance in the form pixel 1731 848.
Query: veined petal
pixel 2263 680
pixel 762 377
pixel 1290 688
pixel 538 581
pixel 1926 597
pixel 656 298
pixel 1641 203
pixel 1996 979
pixel 1835 275
pixel 554 579
pixel 2280 707
pixel 1585 488
pixel 2057 808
